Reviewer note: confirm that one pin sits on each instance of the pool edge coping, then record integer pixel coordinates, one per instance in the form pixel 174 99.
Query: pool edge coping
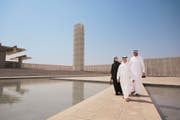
pixel 94 96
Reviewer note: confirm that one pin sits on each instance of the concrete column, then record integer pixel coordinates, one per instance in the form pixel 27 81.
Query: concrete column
pixel 78 52
pixel 19 62
pixel 2 59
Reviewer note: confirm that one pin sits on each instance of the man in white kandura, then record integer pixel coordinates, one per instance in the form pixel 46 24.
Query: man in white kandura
pixel 137 69
pixel 123 75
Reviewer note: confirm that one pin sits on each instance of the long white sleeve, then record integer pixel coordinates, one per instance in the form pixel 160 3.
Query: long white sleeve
pixel 142 65
pixel 130 71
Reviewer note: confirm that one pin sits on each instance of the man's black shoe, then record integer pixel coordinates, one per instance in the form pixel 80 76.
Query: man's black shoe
pixel 132 93
pixel 120 93
pixel 138 95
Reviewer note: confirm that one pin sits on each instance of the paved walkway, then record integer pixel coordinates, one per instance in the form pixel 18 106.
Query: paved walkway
pixel 106 106
pixel 103 79
pixel 175 81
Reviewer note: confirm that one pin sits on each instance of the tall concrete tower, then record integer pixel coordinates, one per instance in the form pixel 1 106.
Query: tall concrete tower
pixel 78 53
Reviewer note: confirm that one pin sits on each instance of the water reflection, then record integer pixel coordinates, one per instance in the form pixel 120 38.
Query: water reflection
pixel 19 89
pixel 166 100
pixel 77 92
pixel 38 99
pixel 6 98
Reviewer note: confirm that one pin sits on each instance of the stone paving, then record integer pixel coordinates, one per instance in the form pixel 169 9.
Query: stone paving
pixel 103 79
pixel 106 106
pixel 175 81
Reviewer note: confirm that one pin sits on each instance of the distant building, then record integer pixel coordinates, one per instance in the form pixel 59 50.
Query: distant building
pixel 78 51
pixel 8 50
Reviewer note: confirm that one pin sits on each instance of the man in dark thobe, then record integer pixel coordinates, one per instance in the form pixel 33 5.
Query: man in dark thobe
pixel 114 68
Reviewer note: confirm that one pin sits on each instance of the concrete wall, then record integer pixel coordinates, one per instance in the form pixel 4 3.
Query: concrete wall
pixel 163 67
pixel 99 68
pixel 47 67
pixel 167 67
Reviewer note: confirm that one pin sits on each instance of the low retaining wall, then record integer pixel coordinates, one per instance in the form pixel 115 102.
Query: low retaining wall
pixel 99 68
pixel 47 67
pixel 158 67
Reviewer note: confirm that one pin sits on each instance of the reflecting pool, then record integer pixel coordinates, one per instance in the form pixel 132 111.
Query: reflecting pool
pixel 167 101
pixel 37 99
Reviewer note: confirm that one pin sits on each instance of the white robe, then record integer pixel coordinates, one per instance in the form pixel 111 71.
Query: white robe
pixel 124 75
pixel 136 66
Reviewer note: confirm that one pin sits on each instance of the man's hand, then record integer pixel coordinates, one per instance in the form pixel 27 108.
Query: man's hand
pixel 143 75
pixel 111 80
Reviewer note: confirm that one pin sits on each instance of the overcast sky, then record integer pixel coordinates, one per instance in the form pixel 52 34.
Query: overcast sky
pixel 112 28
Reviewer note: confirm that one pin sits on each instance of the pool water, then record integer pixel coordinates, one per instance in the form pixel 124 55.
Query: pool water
pixel 167 101
pixel 38 99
